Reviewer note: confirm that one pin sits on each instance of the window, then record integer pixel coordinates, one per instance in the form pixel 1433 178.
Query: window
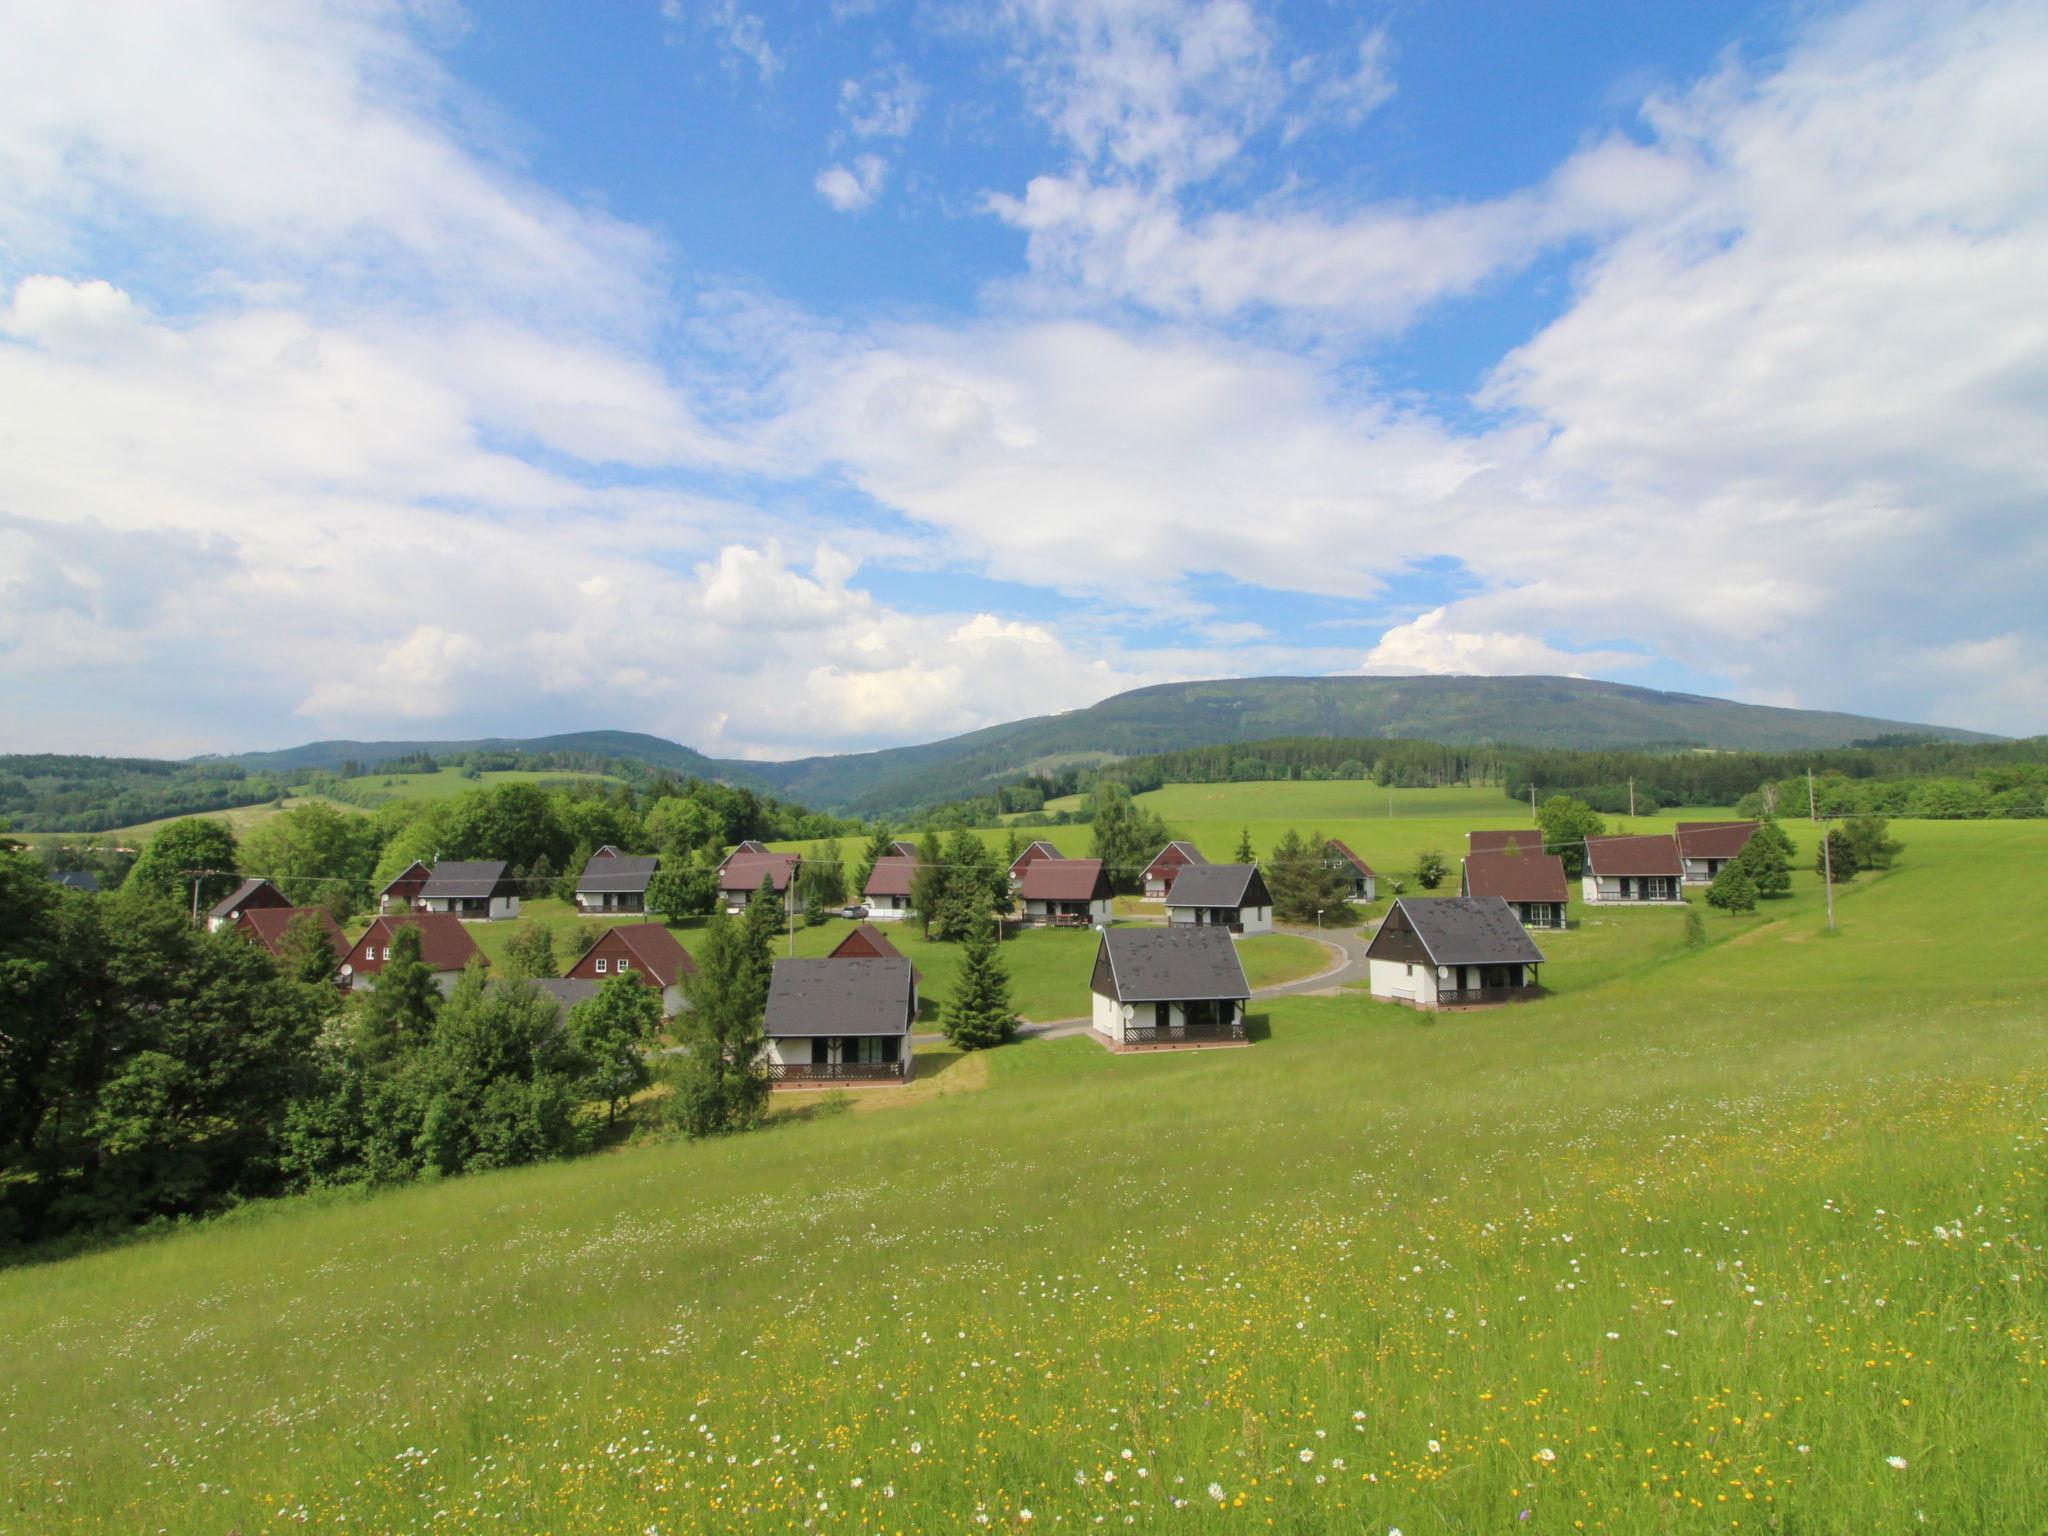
pixel 624 966
pixel 369 954
pixel 602 966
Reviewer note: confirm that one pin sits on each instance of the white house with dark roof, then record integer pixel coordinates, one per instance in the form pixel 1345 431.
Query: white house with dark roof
pixel 1365 885
pixel 1229 896
pixel 840 1020
pixel 1168 987
pixel 615 882
pixel 475 890
pixel 1452 952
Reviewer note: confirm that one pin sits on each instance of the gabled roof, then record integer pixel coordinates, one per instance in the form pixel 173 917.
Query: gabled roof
pixel 866 941
pixel 1713 839
pixel 1343 851
pixel 1497 840
pixel 1219 885
pixel 653 948
pixel 247 892
pixel 1516 876
pixel 1064 880
pixel 1176 853
pixel 903 850
pixel 1652 855
pixel 1032 852
pixel 266 925
pixel 743 871
pixel 413 871
pixel 1173 965
pixel 465 878
pixel 445 944
pixel 838 997
pixel 890 877
pixel 76 879
pixel 618 873
pixel 741 850
pixel 1466 930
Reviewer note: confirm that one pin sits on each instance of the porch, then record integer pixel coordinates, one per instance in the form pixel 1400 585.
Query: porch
pixel 813 1074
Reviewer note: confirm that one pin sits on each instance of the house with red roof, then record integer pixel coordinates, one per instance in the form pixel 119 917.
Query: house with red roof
pixel 1166 863
pixel 887 892
pixel 1033 852
pixel 1528 839
pixel 1065 893
pixel 403 892
pixel 1706 846
pixel 265 926
pixel 740 876
pixel 1632 871
pixel 249 896
pixel 445 946
pixel 648 953
pixel 1533 884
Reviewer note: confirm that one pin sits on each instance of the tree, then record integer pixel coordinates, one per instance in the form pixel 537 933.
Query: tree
pixel 764 917
pixel 1875 847
pixel 1244 854
pixel 497 1080
pixel 1566 824
pixel 397 1014
pixel 306 953
pixel 878 847
pixel 978 1012
pixel 317 855
pixel 1430 869
pixel 928 881
pixel 1836 857
pixel 824 882
pixel 1124 837
pixel 1733 889
pixel 610 1033
pixel 1303 879
pixel 1695 927
pixel 721 1080
pixel 530 953
pixel 685 885
pixel 1764 862
pixel 514 822
pixel 195 843
pixel 679 825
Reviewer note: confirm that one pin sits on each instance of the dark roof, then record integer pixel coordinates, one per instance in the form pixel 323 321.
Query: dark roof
pixel 1063 880
pixel 242 894
pixel 891 876
pixel 76 879
pixel 1468 930
pixel 1218 885
pixel 1189 854
pixel 1155 965
pixel 1343 851
pixel 266 925
pixel 903 850
pixel 839 997
pixel 566 991
pixel 866 940
pixel 742 849
pixel 464 878
pixel 415 871
pixel 445 945
pixel 1038 848
pixel 618 872
pixel 1516 876
pixel 743 871
pixel 1713 839
pixel 1653 855
pixel 1497 841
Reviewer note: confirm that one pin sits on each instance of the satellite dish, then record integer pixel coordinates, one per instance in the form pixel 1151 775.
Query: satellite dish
pixel 348 970
pixel 1129 1013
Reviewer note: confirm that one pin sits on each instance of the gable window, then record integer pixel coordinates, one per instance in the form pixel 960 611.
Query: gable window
pixel 602 966
pixel 623 967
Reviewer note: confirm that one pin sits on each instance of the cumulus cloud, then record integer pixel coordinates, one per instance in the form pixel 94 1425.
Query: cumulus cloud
pixel 882 105
pixel 851 189
pixel 1426 646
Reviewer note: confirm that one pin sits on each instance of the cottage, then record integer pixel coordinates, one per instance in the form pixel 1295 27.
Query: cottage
pixel 1532 883
pixel 839 1021
pixel 445 946
pixel 266 926
pixel 1229 896
pixel 867 942
pixel 614 882
pixel 1632 871
pixel 1528 839
pixel 1167 863
pixel 1033 852
pixel 1452 952
pixel 250 895
pixel 887 892
pixel 1065 893
pixel 475 890
pixel 903 849
pixel 403 893
pixel 647 952
pixel 1168 986
pixel 739 877
pixel 1705 846
pixel 1365 885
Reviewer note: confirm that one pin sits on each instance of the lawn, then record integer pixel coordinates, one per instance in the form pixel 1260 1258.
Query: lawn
pixel 1746 1237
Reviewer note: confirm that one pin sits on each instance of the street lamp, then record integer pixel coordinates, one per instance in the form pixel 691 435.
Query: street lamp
pixel 1319 919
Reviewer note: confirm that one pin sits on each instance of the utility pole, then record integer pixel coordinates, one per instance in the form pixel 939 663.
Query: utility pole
pixel 1532 802
pixel 1631 797
pixel 197 876
pixel 1827 864
pixel 1812 811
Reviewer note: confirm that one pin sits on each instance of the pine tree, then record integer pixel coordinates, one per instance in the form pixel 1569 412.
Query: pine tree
pixel 928 881
pixel 978 1013
pixel 1733 890
pixel 306 953
pixel 1836 856
pixel 530 953
pixel 764 913
pixel 721 1079
pixel 879 847
pixel 1244 854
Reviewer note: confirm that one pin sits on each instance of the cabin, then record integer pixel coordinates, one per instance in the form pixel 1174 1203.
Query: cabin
pixel 867 942
pixel 83 880
pixel 615 882
pixel 249 896
pixel 1452 952
pixel 648 952
pixel 840 1021
pixel 1032 853
pixel 1166 863
pixel 887 892
pixel 403 893
pixel 1365 885
pixel 474 890
pixel 266 926
pixel 1163 987
pixel 1527 839
pixel 739 877
pixel 1231 896
pixel 1632 871
pixel 903 849
pixel 1705 847
pixel 1065 893
pixel 1533 884
pixel 445 947
pixel 747 849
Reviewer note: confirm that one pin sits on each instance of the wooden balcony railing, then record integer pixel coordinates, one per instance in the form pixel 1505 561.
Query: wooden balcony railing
pixel 839 1071
pixel 1184 1034
pixel 1458 997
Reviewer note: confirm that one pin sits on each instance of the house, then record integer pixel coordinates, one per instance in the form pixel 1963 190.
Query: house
pixel 1632 870
pixel 1705 846
pixel 266 926
pixel 887 892
pixel 1532 883
pixel 1168 986
pixel 1452 952
pixel 1166 863
pixel 742 850
pixel 403 893
pixel 740 876
pixel 1365 885
pixel 839 1021
pixel 614 882
pixel 867 942
pixel 77 880
pixel 445 946
pixel 1065 893
pixel 901 849
pixel 248 896
pixel 646 951
pixel 475 890
pixel 1528 839
pixel 1232 896
pixel 1032 853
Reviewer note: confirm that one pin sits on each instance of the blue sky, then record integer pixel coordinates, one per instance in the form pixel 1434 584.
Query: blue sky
pixel 824 376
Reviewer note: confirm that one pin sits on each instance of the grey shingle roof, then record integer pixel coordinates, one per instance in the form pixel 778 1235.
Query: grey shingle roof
pixel 1216 885
pixel 76 879
pixel 1470 930
pixel 1154 965
pixel 839 997
pixel 466 877
pixel 617 873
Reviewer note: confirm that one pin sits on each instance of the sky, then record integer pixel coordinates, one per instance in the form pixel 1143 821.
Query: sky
pixel 839 374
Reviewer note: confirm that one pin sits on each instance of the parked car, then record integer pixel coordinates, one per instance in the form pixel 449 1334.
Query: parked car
pixel 855 911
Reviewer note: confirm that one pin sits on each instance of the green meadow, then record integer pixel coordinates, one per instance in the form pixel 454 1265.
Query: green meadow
pixel 1745 1237
pixel 447 783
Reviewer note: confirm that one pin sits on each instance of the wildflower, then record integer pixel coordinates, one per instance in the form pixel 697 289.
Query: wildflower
pixel 1435 1446
pixel 1896 1463
pixel 1804 1449
pixel 1357 1414
pixel 1546 1455
pixel 1216 1492
pixel 857 1482
pixel 1024 1515
pixel 917 1447
pixel 1127 1453
pixel 1307 1456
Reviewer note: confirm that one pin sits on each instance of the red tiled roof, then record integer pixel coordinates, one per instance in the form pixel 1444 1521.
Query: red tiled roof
pixel 445 945
pixel 1496 841
pixel 743 871
pixel 867 942
pixel 1516 876
pixel 1175 855
pixel 1713 839
pixel 891 877
pixel 266 925
pixel 653 948
pixel 1063 880
pixel 1653 855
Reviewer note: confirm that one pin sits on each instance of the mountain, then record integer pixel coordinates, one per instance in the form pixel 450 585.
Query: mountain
pixel 657 751
pixel 1527 711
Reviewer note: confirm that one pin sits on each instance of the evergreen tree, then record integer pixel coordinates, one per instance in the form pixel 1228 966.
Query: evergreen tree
pixel 1836 856
pixel 610 1034
pixel 306 953
pixel 1303 879
pixel 764 916
pixel 1123 836
pixel 1733 889
pixel 823 881
pixel 397 1014
pixel 1764 862
pixel 878 847
pixel 530 953
pixel 721 1079
pixel 1431 869
pixel 1244 854
pixel 1566 824
pixel 928 881
pixel 978 1012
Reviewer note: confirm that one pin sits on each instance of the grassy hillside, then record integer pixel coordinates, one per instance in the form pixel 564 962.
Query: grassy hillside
pixel 447 783
pixel 1706 1240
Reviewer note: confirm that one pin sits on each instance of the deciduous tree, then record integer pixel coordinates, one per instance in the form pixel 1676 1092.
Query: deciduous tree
pixel 195 843
pixel 610 1034
pixel 1566 824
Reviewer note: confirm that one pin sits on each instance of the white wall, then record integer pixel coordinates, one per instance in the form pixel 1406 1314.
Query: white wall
pixel 792 1050
pixel 503 907
pixel 1393 978
pixel 1257 919
pixel 1109 1017
pixel 672 1000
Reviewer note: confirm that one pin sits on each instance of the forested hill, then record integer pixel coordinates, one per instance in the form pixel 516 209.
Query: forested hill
pixel 575 749
pixel 1529 711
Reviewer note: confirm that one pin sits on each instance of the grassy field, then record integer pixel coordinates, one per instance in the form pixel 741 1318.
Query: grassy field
pixel 1746 1237
pixel 448 783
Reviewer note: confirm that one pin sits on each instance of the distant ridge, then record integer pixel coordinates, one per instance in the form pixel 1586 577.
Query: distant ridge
pixel 637 746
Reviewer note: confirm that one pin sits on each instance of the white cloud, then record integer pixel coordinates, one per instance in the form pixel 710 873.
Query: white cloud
pixel 882 105
pixel 1425 646
pixel 852 189
pixel 741 34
